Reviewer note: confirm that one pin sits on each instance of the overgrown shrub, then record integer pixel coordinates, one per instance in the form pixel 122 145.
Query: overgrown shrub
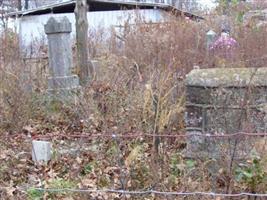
pixel 139 84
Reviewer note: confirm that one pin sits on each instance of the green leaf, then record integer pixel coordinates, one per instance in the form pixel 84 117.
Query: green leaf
pixel 248 174
pixel 34 194
pixel 190 163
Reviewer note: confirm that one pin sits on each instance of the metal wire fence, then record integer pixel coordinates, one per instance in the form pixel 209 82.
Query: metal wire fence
pixel 221 143
pixel 146 192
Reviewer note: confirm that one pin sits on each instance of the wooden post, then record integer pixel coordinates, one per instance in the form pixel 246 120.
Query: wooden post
pixel 82 41
pixel 19 5
pixel 26 4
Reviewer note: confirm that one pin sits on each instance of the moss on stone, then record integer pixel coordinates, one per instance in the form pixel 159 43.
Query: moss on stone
pixel 227 77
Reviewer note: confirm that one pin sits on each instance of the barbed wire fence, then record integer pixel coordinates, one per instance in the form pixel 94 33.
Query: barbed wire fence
pixel 117 138
pixel 146 192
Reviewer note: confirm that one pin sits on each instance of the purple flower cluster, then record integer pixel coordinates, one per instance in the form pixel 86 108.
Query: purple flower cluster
pixel 224 43
pixel 224 47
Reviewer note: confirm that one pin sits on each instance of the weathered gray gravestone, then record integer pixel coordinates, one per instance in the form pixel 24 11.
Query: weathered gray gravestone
pixel 61 82
pixel 225 101
pixel 210 38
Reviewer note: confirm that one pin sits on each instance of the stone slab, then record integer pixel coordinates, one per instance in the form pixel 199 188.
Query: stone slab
pixel 41 151
pixel 227 77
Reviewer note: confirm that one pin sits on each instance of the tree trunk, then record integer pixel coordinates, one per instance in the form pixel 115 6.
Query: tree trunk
pixel 19 5
pixel 26 4
pixel 82 41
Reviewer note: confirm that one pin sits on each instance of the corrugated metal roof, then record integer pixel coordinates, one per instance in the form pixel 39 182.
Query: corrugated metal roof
pixel 99 5
pixel 41 8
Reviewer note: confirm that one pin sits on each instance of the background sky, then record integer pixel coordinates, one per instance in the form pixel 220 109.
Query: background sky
pixel 207 3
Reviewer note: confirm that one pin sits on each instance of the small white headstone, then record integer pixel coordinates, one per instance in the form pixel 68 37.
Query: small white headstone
pixel 210 37
pixel 41 151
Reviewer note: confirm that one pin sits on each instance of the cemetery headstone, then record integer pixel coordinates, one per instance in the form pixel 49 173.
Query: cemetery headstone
pixel 222 101
pixel 41 151
pixel 210 38
pixel 61 82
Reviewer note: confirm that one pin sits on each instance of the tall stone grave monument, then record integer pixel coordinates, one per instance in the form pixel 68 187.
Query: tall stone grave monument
pixel 61 83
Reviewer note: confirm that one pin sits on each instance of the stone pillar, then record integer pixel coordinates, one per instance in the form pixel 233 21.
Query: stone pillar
pixel 210 38
pixel 61 82
pixel 222 101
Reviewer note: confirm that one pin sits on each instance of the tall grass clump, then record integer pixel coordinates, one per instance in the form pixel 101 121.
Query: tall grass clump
pixel 12 84
pixel 140 83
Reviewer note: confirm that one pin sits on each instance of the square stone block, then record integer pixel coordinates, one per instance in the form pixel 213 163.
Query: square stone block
pixel 41 151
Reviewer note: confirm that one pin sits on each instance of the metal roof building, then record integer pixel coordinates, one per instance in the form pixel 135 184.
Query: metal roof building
pixel 102 14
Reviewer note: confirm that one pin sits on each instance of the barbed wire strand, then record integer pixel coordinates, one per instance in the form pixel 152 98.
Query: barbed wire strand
pixel 143 135
pixel 233 62
pixel 248 60
pixel 128 192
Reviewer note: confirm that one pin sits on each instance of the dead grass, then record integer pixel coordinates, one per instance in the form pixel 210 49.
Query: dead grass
pixel 139 84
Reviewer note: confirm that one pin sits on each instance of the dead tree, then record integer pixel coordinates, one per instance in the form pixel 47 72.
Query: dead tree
pixel 82 40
